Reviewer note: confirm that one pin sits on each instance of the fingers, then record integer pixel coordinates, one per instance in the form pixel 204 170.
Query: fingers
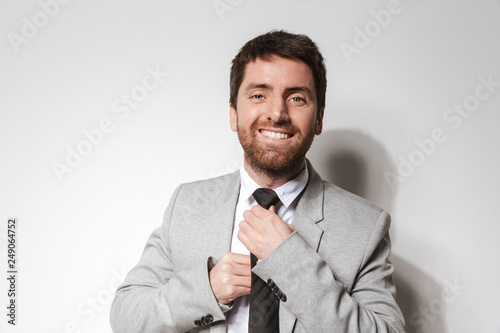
pixel 283 228
pixel 230 277
pixel 259 217
pixel 259 233
pixel 261 212
pixel 235 263
pixel 244 239
pixel 243 259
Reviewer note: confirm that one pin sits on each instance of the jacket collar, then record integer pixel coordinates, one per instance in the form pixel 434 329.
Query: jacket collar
pixel 309 209
pixel 224 209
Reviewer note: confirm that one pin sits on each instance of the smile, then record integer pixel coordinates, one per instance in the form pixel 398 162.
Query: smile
pixel 275 135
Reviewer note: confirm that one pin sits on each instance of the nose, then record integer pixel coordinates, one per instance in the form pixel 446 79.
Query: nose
pixel 278 111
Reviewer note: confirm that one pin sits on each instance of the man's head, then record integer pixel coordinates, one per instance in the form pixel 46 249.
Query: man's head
pixel 276 108
pixel 283 44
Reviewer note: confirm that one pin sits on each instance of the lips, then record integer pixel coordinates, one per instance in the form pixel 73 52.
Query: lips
pixel 276 135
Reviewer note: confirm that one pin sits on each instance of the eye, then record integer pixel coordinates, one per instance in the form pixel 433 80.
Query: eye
pixel 297 99
pixel 257 96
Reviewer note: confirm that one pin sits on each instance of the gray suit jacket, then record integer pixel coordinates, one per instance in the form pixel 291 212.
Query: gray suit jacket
pixel 334 269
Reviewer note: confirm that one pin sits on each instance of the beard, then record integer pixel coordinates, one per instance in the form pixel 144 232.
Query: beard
pixel 274 161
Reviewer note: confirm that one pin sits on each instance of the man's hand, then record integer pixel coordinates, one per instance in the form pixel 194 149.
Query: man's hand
pixel 262 231
pixel 231 277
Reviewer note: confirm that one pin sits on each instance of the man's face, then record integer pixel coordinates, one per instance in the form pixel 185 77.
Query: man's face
pixel 276 115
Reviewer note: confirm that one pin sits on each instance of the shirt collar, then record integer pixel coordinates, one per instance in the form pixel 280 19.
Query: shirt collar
pixel 287 192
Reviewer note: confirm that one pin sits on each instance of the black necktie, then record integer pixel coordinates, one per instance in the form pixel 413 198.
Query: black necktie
pixel 264 305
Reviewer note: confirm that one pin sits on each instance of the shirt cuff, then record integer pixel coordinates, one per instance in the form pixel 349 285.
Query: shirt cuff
pixel 226 307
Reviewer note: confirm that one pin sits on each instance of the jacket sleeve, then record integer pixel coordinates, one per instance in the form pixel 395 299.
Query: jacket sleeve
pixel 156 298
pixel 321 302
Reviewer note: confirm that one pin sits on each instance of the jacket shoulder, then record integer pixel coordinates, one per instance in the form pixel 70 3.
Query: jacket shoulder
pixel 215 182
pixel 203 191
pixel 353 209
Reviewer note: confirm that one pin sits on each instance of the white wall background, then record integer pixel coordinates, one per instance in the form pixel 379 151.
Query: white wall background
pixel 65 67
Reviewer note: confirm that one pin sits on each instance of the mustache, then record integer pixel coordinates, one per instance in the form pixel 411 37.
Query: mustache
pixel 285 126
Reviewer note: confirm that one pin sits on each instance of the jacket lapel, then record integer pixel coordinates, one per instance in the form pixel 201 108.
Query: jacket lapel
pixel 223 213
pixel 309 210
pixel 308 213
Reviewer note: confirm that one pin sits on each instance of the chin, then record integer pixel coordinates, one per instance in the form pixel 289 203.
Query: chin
pixel 274 166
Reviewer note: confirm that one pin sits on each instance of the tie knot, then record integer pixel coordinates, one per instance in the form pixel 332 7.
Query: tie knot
pixel 266 197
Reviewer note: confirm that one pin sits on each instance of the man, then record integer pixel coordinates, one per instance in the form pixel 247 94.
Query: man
pixel 328 270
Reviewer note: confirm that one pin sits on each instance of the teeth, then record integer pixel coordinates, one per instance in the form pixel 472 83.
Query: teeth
pixel 275 135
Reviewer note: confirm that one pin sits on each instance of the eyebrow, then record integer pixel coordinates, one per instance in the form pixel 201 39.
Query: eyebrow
pixel 257 86
pixel 300 88
pixel 266 86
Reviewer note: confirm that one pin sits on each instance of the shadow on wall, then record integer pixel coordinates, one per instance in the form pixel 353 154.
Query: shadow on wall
pixel 357 163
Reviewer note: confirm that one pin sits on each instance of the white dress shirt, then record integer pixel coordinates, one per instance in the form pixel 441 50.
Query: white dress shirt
pixel 237 317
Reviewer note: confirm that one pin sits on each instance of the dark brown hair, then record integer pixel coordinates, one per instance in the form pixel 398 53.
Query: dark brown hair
pixel 283 44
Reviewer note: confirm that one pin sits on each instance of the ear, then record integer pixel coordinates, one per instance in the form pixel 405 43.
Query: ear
pixel 233 118
pixel 319 122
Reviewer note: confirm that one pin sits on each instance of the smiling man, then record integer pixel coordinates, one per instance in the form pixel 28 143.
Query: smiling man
pixel 272 247
pixel 277 119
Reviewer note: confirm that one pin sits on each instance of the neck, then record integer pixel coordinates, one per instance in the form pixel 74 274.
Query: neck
pixel 265 180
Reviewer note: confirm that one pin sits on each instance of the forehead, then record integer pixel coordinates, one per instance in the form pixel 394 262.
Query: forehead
pixel 278 72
